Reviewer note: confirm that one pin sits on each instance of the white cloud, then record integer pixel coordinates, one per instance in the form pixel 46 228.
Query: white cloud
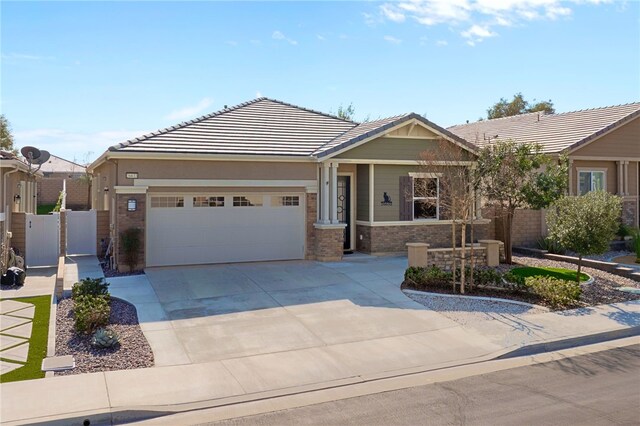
pixel 392 39
pixel 277 35
pixel 258 94
pixel 441 43
pixel 480 16
pixel 320 37
pixel 190 111
pixel 70 144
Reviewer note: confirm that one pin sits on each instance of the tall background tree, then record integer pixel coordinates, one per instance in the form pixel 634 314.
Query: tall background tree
pixel 6 137
pixel 518 105
pixel 516 176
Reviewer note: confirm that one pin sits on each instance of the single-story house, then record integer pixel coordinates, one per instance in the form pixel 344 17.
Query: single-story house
pixel 59 173
pixel 267 180
pixel 18 189
pixel 602 144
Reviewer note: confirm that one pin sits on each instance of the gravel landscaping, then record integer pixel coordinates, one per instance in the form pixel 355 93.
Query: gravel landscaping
pixel 466 310
pixel 133 351
pixel 111 273
pixel 603 290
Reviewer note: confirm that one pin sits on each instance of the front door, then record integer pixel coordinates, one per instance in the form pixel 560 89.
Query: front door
pixel 344 208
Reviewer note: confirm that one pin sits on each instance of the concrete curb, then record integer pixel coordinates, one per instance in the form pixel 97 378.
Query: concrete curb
pixel 571 342
pixel 490 299
pixel 51 338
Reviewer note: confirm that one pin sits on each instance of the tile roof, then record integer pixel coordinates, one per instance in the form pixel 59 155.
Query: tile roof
pixel 262 126
pixel 555 132
pixel 60 165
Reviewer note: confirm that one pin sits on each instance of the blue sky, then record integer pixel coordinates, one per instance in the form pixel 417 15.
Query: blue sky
pixel 80 76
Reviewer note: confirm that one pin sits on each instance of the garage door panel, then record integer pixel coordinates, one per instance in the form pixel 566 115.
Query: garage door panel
pixel 196 235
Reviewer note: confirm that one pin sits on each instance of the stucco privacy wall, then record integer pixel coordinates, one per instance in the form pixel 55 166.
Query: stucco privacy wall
pixel 18 229
pixel 49 189
pixel 102 229
pixel 527 229
pixel 393 239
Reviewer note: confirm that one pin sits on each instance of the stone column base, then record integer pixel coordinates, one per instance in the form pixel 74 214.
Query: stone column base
pixel 329 242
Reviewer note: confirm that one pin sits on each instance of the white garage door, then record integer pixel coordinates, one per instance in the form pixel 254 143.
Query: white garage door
pixel 192 229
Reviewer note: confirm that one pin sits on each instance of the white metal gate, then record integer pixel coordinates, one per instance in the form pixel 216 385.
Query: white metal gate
pixel 42 239
pixel 81 232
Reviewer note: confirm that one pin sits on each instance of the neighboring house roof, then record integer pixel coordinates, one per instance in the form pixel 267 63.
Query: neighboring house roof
pixel 60 165
pixel 266 126
pixel 9 159
pixel 555 132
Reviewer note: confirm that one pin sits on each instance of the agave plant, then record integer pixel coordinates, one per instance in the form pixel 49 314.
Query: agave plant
pixel 104 338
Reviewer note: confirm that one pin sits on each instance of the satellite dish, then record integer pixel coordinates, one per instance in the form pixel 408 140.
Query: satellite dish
pixel 43 158
pixel 30 153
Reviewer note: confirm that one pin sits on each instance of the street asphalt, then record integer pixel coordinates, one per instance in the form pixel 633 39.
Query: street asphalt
pixel 602 388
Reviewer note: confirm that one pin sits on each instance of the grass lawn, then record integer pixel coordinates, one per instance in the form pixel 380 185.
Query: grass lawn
pixel 37 343
pixel 46 208
pixel 560 273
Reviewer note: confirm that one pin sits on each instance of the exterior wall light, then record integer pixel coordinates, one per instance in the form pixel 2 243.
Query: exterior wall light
pixel 132 204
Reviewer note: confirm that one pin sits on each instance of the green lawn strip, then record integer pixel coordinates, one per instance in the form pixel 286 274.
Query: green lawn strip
pixel 37 342
pixel 45 208
pixel 560 273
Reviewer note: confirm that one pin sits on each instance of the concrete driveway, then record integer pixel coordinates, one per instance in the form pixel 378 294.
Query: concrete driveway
pixel 200 314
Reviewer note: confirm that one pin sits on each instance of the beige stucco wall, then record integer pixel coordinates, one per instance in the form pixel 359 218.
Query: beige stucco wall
pixel 190 169
pixel 610 167
pixel 388 148
pixel 622 142
pixel 362 192
pixel 386 178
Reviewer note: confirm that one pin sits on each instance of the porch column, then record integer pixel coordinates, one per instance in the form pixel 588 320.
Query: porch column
pixel 334 192
pixel 570 177
pixel 620 179
pixel 324 217
pixel 625 174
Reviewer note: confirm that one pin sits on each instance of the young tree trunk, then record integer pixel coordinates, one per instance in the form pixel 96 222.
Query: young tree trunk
pixel 508 221
pixel 453 245
pixel 463 254
pixel 472 260
pixel 579 268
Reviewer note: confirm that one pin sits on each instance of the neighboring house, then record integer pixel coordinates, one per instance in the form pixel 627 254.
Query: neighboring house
pixel 266 180
pixel 18 191
pixel 58 170
pixel 602 144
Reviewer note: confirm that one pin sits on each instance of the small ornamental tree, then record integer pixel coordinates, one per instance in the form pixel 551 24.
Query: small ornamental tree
pixel 585 224
pixel 515 176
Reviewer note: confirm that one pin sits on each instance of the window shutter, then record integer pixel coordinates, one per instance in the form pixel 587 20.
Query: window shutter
pixel 406 198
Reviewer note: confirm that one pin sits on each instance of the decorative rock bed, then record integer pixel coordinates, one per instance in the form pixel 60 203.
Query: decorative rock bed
pixel 133 350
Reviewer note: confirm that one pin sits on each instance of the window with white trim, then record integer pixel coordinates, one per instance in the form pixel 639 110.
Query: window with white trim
pixel 285 201
pixel 425 198
pixel 247 201
pixel 167 202
pixel 591 180
pixel 204 201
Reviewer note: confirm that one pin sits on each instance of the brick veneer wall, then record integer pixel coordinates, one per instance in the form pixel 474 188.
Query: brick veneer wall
pixel 18 230
pixel 393 239
pixel 329 244
pixel 77 192
pixel 443 257
pixel 102 229
pixel 312 208
pixel 126 220
pixel 629 212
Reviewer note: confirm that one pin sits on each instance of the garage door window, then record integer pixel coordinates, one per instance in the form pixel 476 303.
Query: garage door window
pixel 167 202
pixel 208 201
pixel 285 201
pixel 247 201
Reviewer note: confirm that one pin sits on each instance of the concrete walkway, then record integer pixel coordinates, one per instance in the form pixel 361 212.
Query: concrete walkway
pixel 79 267
pixel 39 281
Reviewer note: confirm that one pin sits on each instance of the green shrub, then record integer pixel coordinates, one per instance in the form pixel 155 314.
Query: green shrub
pixel 512 278
pixel 551 245
pixel 487 276
pixel 557 293
pixel 131 241
pixel 635 243
pixel 425 277
pixel 624 230
pixel 96 287
pixel 104 338
pixel 91 312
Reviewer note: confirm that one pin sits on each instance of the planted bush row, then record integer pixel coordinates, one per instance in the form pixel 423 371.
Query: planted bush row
pixel 92 309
